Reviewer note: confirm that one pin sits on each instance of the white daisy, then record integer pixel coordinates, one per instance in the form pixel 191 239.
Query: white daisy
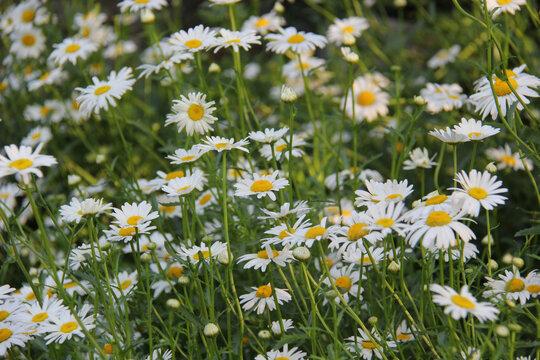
pixel 126 233
pixel 285 354
pixel 40 134
pixel 263 24
pixel 385 217
pixel 506 159
pixel 390 191
pixel 318 232
pixel 220 144
pixel 283 234
pixel 444 56
pixel 261 186
pixel 455 250
pixel 281 148
pixel 184 185
pixel 460 305
pixel 22 161
pixel 194 40
pixel 276 327
pixel 504 6
pixel 170 64
pixel 120 48
pixel 52 76
pixel 195 254
pixel 449 136
pixel 135 214
pixel 353 25
pixel 13 334
pixel 419 158
pixel 193 113
pixel 403 333
pixel 236 40
pixel 511 286
pixel 65 326
pixel 77 209
pixel 265 257
pixel 262 298
pixel 141 5
pixel 294 40
pixel 359 256
pixel 475 130
pixel 366 347
pixel 182 156
pixel 441 97
pixel 346 280
pixel 27 42
pixel 204 200
pixel 268 136
pixel 479 190
pixel 38 315
pixel 369 101
pixel 72 49
pixel 299 208
pixel 124 283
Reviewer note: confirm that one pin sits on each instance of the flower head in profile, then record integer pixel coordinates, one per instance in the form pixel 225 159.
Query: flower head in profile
pixel 77 209
pixel 474 129
pixel 219 144
pixel 459 305
pixel 449 136
pixel 504 6
pixel 269 135
pixel 141 5
pixel 367 346
pixel 444 56
pixel 443 97
pixel 236 40
pixel 294 40
pixel 23 161
pixel 289 354
pixel 264 23
pixel 419 158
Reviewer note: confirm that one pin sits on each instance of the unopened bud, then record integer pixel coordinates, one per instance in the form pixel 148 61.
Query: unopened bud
pixel 100 158
pixel 264 334
pixel 395 68
pixel 372 320
pixel 515 327
pixel 208 239
pixel 288 94
pixel 507 259
pixel 487 239
pixel 173 303
pixel 146 257
pixel 183 280
pixel 33 271
pixel 223 257
pixel 147 16
pixel 394 267
pixel 35 281
pixel 348 39
pixel 331 294
pixel 517 261
pixel 214 68
pixel 211 330
pixel 151 246
pixel 400 3
pixel 510 303
pixel 301 253
pixel 73 179
pixel 493 264
pixel 419 100
pixel 502 331
pixel 278 7
pixel 491 167
pixel 349 55
pixel 469 270
pixel 416 203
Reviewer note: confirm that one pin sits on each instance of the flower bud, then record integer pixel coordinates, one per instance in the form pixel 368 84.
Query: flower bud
pixel 100 158
pixel 502 331
pixel 348 39
pixel 510 303
pixel 73 179
pixel 487 240
pixel 491 168
pixel 35 281
pixel 173 303
pixel 183 280
pixel 493 264
pixel 278 7
pixel 394 267
pixel 507 259
pixel 349 56
pixel 151 246
pixel 416 203
pixel 211 330
pixel 395 68
pixel 288 94
pixel 264 334
pixel 331 294
pixel 517 261
pixel 372 320
pixel 33 271
pixel 301 253
pixel 208 239
pixel 223 257
pixel 419 100
pixel 147 16
pixel 214 68
pixel 400 3
pixel 514 327
pixel 146 257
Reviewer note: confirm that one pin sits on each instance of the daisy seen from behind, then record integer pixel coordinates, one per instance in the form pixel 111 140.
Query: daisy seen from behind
pixel 285 354
pixel 419 158
pixel 192 113
pixel 459 305
pixel 219 144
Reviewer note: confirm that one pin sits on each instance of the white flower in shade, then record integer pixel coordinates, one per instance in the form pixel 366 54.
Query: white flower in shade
pixel 353 25
pixel 294 40
pixel 182 156
pixel 439 229
pixel 236 40
pixel 184 185
pixel 293 69
pixel 22 161
pixel 8 197
pixel 11 310
pixel 292 354
pixel 281 148
pixel 124 283
pixel 390 191
pixel 260 185
pixel 469 251
pixel 359 256
pixel 419 158
pixel 51 110
pixel 403 333
pixel 14 334
pixel 460 305
pixel 474 354
pixel 299 208
pixel 204 200
pixel 355 230
pixel 72 49
pixel 444 56
pixel 80 255
pixel 135 214
pixel 265 257
pixel 283 234
pixel 441 97
pixel 287 325
pixel 219 144
pixel 346 280
pixel 506 159
pixel 369 101
pixel 194 254
pixel 40 134
pixel 479 190
pixel 386 217
pixel 510 286
pixel 194 40
pixel 103 93
pixel 474 129
pixel 532 283
pixel 169 64
pixel 268 136
pixel 318 232
pixel 120 48
pixel 262 298
pixel 449 136
pixel 65 326
pixel 77 209
pixel 53 76
pixel 193 113
pixel 126 233
pixel 27 42
pixel 264 23
pixel 141 5
pixel 504 6
pixel 366 347
pixel 523 84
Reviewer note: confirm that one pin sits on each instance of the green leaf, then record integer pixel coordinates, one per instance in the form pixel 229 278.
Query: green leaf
pixel 535 230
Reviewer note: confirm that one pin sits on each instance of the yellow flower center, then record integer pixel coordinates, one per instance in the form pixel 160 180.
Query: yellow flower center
pixel 167 209
pixel 3 315
pixel 126 231
pixel 365 98
pixel 262 22
pixel 183 188
pixel 403 337
pixel 69 327
pixel 133 220
pixel 36 136
pixel 45 110
pixel 85 31
pixel 40 317
pixel 44 76
pixel 533 289
pixel 504 2
pixel 28 40
pixel 477 193
pixel 75 105
pixel 282 358
pixel 21 164
pixel 175 271
pixel 205 254
pixel 462 301
pixel 263 254
pixel 102 90
pixel 347 29
pixel 195 112
pixel 107 349
pixel 438 218
pixel 365 259
pixel 370 345
pixel 329 262
pixel 174 175
pixel 28 15
pixel 280 148
pixel 357 231
pixel 3 86
pixel 515 285
pixel 385 222
pixel 187 158
pixel 509 160
pixel 296 39
pixel 70 285
pixel 264 291
pixel 5 334
pixel 435 200
pixel 501 88
pixel 28 69
pixel 394 196
pixel 221 145
pixel 286 233
pixel 206 198
pixel 344 282
pixel 125 284
pixel 31 296
pixel 72 48
pixel 475 135
pixel 194 43
pixel 233 41
pixel 261 186
pixel 141 1
pixel 315 231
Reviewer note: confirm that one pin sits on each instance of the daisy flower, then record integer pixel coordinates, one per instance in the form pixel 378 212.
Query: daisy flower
pixel 367 348
pixel 168 64
pixel 283 234
pixel 77 209
pixel 353 25
pixel 441 97
pixel 51 110
pixel 475 130
pixel 126 233
pixel 28 12
pixel 40 134
pixel 439 229
pixel 262 298
pixel 193 113
pixel 80 255
pixel 369 101
pixel 286 210
pixel 13 334
pixel 523 85
pixel 460 305
pixel 184 185
pixel 504 6
pixel 403 333
pixel 294 40
pixel 265 257
pixel 506 159
pixel 471 354
pixel 182 156
pixel 164 178
pixel 52 76
pixel 11 310
pixel 236 40
pixel 27 42
pixel 193 254
pixel 103 93
pixel 72 49
pixel 5 291
pixel 444 56
pixel 124 283
pixel 479 190
pixel 449 136
pixel 419 158
pixel 276 327
pixel 469 251
pixel 141 5
pixel 346 280
pixel 220 144
pixel 308 236
pixel 135 214
pixel 532 283
pixel 194 40
pixel 206 199
pixel 286 353
pixel 263 24
pixel 511 286
pixel 359 256
pixel 386 217
pixel 281 147
pixel 22 161
pixel 268 136
pixel 294 68
pixel 38 315
pixel 261 186
pixel 390 191
pixel 160 353
pixel 65 325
